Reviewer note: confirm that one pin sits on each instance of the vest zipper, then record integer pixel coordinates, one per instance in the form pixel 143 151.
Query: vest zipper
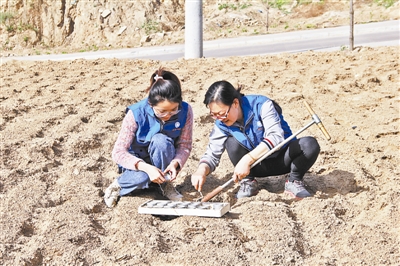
pixel 161 123
pixel 247 122
pixel 242 129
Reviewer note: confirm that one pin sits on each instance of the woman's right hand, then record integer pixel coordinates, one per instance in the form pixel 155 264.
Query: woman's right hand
pixel 155 174
pixel 199 177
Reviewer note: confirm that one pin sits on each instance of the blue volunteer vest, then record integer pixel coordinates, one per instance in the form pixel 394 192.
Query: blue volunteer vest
pixel 253 131
pixel 149 125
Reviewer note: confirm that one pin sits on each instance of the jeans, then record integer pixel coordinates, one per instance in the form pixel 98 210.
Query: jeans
pixel 161 152
pixel 295 158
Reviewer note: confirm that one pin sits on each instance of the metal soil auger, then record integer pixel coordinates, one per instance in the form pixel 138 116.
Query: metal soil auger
pixel 315 120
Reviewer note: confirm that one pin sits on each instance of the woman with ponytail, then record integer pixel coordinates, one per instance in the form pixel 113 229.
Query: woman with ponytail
pixel 155 140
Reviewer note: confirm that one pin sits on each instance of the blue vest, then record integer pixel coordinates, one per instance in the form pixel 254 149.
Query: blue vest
pixel 149 125
pixel 253 131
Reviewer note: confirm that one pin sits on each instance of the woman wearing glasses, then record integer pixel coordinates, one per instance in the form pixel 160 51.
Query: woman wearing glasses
pixel 247 127
pixel 155 140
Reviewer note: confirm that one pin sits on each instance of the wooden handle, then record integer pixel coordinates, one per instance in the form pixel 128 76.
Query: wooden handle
pixel 324 131
pixel 212 194
pixel 319 123
pixel 310 110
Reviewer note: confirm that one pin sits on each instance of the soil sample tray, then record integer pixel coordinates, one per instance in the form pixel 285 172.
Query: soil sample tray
pixel 179 208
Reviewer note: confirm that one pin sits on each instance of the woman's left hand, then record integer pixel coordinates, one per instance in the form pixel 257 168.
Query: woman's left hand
pixel 242 169
pixel 171 170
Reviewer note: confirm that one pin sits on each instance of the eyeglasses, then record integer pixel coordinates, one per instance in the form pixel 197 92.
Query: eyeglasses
pixel 219 116
pixel 165 114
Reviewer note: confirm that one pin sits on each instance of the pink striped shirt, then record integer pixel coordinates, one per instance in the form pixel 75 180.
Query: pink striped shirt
pixel 125 138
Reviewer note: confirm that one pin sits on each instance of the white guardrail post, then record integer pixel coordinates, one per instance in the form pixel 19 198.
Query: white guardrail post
pixel 193 29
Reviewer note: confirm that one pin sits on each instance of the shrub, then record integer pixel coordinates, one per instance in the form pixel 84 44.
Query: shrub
pixel 385 3
pixel 4 16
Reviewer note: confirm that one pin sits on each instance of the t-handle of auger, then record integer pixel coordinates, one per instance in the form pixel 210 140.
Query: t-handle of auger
pixel 317 120
pixel 213 193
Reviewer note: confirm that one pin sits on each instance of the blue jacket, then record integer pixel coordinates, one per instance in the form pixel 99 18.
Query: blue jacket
pixel 149 125
pixel 252 133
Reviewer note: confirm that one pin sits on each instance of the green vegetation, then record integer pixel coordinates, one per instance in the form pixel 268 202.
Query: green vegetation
pixel 24 27
pixel 10 28
pixel 304 2
pixel 307 2
pixel 243 6
pixel 385 3
pixel 89 48
pixel 5 46
pixel 225 6
pixel 233 6
pixel 278 3
pixel 4 16
pixel 7 18
pixel 94 47
pixel 151 26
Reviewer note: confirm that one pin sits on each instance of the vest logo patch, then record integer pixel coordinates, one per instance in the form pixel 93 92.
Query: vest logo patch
pixel 177 124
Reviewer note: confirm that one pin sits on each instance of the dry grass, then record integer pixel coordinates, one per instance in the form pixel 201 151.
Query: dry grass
pixel 311 10
pixel 316 9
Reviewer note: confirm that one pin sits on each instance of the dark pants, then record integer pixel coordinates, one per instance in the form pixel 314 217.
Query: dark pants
pixel 295 158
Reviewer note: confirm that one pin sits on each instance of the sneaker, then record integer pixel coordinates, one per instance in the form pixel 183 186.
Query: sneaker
pixel 248 188
pixel 168 190
pixel 296 189
pixel 112 193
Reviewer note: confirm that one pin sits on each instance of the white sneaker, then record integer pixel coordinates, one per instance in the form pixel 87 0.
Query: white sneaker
pixel 111 194
pixel 168 190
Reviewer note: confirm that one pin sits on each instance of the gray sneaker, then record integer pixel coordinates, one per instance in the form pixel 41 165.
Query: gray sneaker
pixel 248 188
pixel 111 194
pixel 296 189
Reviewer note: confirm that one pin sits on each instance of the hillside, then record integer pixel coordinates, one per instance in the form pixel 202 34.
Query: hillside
pixel 43 27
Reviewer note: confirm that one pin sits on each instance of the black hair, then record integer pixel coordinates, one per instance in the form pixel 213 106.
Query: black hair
pixel 222 92
pixel 164 85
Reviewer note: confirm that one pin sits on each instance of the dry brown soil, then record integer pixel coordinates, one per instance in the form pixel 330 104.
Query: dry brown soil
pixel 60 121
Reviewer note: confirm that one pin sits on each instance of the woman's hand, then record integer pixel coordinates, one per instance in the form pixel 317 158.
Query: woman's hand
pixel 199 177
pixel 172 170
pixel 155 174
pixel 242 168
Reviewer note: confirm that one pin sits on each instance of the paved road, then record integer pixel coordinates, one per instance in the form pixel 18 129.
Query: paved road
pixel 372 34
